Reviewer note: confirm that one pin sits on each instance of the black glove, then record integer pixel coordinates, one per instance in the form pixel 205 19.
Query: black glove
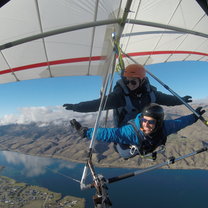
pixel 200 112
pixel 80 130
pixel 187 98
pixel 68 106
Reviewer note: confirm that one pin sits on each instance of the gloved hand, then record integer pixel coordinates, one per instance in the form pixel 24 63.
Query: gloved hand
pixel 80 130
pixel 68 106
pixel 200 112
pixel 187 99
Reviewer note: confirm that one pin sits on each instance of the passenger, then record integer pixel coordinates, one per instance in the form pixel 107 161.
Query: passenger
pixel 129 97
pixel 143 134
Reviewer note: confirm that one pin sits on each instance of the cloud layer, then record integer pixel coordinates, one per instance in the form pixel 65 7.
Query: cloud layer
pixel 56 115
pixel 44 115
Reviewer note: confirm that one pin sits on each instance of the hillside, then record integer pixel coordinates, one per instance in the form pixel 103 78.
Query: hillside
pixel 58 140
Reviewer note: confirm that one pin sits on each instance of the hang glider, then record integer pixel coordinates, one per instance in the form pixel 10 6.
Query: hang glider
pixel 51 38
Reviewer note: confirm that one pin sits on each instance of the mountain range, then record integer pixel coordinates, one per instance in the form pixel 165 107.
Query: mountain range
pixel 57 139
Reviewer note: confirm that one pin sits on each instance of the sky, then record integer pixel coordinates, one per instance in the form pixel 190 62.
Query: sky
pixel 35 98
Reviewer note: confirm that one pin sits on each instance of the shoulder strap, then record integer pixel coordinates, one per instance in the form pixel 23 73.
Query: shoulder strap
pixel 150 91
pixel 129 106
pixel 123 86
pixel 139 134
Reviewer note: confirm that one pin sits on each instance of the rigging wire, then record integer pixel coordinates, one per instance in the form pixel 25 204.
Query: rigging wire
pixel 170 90
pixel 52 170
pixel 61 174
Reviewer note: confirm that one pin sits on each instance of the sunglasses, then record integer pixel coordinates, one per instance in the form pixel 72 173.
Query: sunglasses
pixel 148 121
pixel 132 82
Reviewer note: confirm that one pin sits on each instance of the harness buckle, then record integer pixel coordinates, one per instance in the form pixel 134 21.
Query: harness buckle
pixel 133 149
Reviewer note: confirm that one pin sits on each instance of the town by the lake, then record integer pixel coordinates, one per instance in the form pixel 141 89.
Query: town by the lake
pixel 14 194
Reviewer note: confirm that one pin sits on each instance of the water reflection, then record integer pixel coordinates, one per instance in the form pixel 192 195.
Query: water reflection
pixel 189 188
pixel 33 165
pixel 56 175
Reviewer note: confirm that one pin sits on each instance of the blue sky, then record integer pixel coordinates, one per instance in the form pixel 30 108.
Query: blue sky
pixel 185 78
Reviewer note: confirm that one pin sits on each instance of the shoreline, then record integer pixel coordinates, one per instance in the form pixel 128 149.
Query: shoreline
pixel 22 194
pixel 105 165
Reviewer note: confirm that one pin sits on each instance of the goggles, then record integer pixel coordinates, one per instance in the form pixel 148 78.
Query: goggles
pixel 152 122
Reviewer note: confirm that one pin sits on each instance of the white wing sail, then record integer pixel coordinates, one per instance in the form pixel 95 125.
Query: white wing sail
pixel 51 38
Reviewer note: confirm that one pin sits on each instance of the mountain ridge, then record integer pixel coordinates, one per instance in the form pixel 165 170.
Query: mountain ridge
pixel 59 140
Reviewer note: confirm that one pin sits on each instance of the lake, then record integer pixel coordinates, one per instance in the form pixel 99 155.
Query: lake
pixel 158 188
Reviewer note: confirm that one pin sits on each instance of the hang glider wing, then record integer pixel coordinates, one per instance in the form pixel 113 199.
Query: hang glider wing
pixel 51 38
pixel 166 31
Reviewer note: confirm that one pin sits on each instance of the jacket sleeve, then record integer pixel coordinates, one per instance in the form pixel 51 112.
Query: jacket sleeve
pixel 114 100
pixel 165 99
pixel 123 135
pixel 173 126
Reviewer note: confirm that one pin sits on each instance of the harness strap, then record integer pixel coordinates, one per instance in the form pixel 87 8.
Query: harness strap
pixel 139 135
pixel 123 86
pixel 121 114
pixel 150 91
pixel 129 111
pixel 129 106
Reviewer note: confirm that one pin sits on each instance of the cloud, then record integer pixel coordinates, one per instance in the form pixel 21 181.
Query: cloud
pixel 204 100
pixel 58 115
pixel 47 114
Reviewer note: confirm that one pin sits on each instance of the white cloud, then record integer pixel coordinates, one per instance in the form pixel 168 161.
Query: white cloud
pixel 204 100
pixel 46 114
pixel 58 115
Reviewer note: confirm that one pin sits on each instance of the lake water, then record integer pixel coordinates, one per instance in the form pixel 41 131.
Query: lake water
pixel 158 189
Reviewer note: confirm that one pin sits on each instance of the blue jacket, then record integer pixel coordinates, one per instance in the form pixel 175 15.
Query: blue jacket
pixel 127 134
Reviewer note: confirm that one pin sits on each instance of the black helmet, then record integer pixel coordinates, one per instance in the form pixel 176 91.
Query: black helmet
pixel 155 111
